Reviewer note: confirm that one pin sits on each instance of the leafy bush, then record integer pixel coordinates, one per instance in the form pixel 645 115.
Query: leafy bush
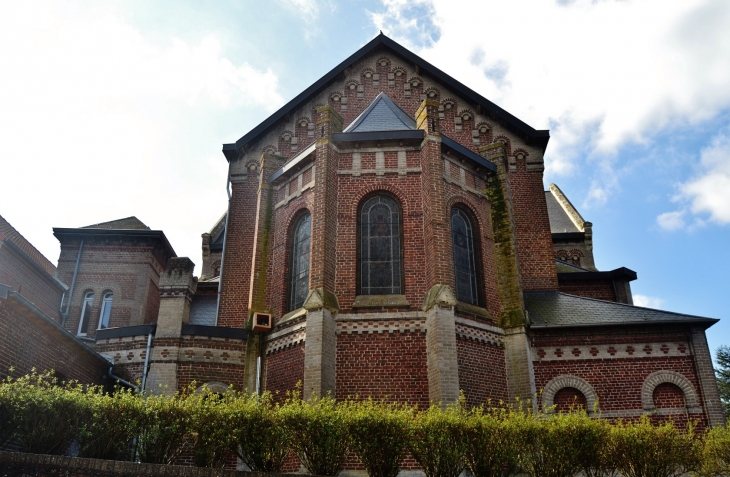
pixel 716 453
pixel 380 433
pixel 491 441
pixel 318 432
pixel 436 441
pixel 7 425
pixel 259 437
pixel 211 427
pixel 111 422
pixel 45 417
pixel 556 445
pixel 641 449
pixel 163 428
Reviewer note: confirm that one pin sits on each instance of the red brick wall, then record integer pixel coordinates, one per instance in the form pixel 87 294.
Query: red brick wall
pixel 284 369
pixel 569 399
pixel 482 374
pixel 236 280
pixel 598 289
pixel 532 228
pixel 383 365
pixel 668 395
pixel 36 286
pixel 27 342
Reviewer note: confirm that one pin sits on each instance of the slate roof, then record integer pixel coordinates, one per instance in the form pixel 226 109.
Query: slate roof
pixel 565 267
pixel 558 310
pixel 382 115
pixel 382 42
pixel 559 220
pixel 9 232
pixel 127 223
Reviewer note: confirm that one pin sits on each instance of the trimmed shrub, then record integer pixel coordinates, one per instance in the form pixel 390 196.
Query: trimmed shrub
pixel 318 432
pixel 111 422
pixel 259 437
pixel 380 433
pixel 45 417
pixel 492 442
pixel 211 427
pixel 554 446
pixel 7 424
pixel 716 453
pixel 164 428
pixel 641 449
pixel 436 441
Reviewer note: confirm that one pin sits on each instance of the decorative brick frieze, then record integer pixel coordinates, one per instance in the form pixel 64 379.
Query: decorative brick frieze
pixel 399 322
pixel 612 351
pixel 286 337
pixel 480 332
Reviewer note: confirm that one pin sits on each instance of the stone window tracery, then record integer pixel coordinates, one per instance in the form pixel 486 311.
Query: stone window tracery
pixel 465 261
pixel 299 275
pixel 380 247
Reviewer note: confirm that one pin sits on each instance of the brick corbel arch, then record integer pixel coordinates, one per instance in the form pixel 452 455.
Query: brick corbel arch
pixel 691 400
pixel 568 381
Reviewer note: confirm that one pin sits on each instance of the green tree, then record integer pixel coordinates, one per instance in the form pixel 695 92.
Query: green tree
pixel 722 356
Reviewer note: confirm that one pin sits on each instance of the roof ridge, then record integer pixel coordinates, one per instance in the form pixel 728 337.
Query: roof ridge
pixel 12 234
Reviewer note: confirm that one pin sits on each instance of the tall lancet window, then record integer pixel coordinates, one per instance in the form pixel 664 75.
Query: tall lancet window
pixel 299 279
pixel 465 261
pixel 381 271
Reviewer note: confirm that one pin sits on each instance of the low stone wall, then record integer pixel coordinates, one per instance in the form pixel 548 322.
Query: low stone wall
pixel 15 464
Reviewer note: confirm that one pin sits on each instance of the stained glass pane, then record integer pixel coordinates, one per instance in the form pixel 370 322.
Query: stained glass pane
pixel 465 270
pixel 380 269
pixel 299 280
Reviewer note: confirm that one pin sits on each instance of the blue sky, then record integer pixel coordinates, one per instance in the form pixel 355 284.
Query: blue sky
pixel 120 108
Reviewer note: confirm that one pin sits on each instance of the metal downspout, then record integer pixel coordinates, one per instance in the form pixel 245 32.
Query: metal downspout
pixel 64 316
pixel 223 254
pixel 146 369
pixel 126 383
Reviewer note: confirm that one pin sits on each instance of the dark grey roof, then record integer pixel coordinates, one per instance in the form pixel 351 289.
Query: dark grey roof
pixel 559 220
pixel 556 309
pixel 127 223
pixel 565 267
pixel 539 138
pixel 382 115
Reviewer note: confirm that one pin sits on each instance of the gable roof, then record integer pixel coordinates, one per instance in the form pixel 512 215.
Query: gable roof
pixel 560 310
pixel 127 223
pixel 8 232
pixel 530 134
pixel 382 115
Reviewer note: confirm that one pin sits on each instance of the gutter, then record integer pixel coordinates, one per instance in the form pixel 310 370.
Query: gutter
pixel 64 315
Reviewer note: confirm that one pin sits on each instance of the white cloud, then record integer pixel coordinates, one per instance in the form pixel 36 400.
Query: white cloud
pixel 648 301
pixel 98 122
pixel 598 74
pixel 708 193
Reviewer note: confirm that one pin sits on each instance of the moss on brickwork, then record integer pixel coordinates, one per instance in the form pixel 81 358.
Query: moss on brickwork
pixel 321 298
pixel 510 293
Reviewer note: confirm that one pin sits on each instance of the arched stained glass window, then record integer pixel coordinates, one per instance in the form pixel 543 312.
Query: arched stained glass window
pixel 465 263
pixel 380 247
pixel 299 279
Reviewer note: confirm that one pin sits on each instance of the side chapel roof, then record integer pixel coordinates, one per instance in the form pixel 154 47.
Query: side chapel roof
pixel 8 232
pixel 560 310
pixel 527 132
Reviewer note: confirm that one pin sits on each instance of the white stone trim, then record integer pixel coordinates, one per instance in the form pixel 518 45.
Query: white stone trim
pixel 407 321
pixel 568 381
pixel 480 326
pixel 613 351
pixel 296 335
pixel 483 336
pixel 691 399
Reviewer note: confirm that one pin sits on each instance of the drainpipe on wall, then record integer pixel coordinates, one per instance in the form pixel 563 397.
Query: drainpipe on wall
pixel 146 369
pixel 223 254
pixel 126 383
pixel 64 315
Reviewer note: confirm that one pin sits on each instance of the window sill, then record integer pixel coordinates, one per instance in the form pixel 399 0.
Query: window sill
pixel 380 301
pixel 291 315
pixel 472 310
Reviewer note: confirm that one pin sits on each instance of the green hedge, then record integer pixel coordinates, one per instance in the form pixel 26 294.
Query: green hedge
pixel 40 415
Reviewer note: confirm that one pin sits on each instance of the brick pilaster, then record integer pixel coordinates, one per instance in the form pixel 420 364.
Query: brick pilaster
pixel 707 378
pixel 177 287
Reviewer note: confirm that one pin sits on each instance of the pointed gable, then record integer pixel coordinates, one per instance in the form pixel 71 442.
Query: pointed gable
pixel 382 115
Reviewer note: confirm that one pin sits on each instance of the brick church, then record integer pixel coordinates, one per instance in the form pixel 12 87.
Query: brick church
pixel 388 234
